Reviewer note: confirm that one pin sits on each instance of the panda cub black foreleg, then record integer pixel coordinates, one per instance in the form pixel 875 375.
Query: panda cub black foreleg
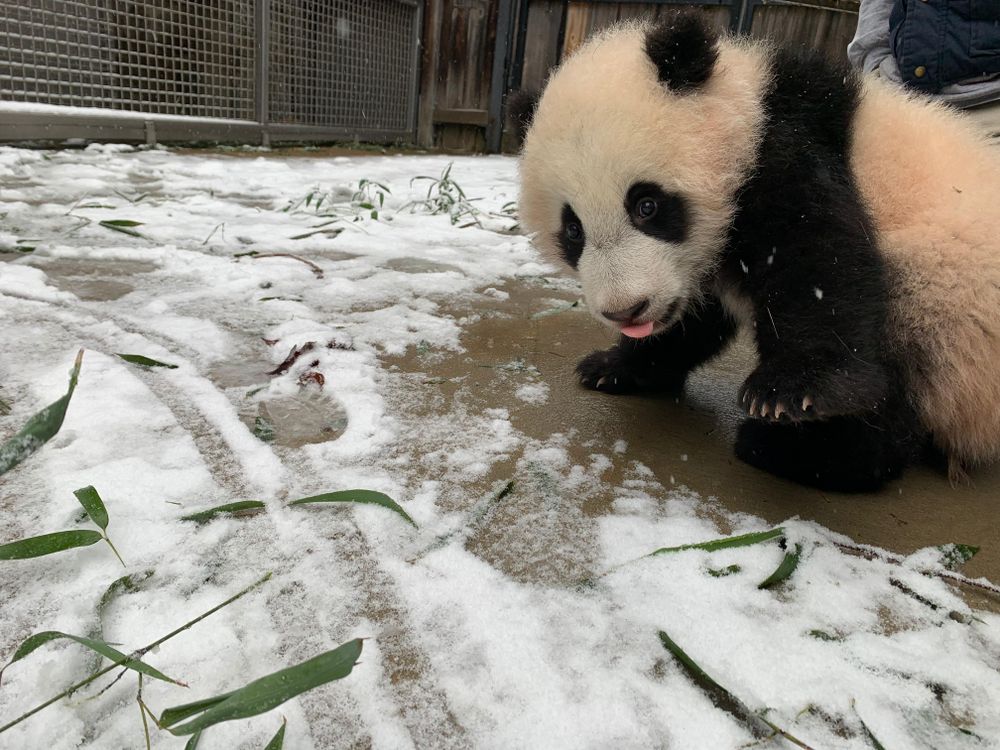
pixel 660 363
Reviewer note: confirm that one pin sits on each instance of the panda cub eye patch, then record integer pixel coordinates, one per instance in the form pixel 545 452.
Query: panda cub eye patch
pixel 655 212
pixel 571 237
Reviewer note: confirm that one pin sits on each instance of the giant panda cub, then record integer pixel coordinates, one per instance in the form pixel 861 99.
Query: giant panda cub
pixel 698 183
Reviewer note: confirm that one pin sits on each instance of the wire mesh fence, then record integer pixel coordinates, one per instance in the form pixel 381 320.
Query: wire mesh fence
pixel 337 66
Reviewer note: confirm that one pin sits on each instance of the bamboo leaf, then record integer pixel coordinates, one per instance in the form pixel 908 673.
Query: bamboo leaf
pixel 368 497
pixel 758 725
pixel 265 693
pixel 33 642
pixel 953 556
pixel 721 697
pixel 785 568
pixel 869 735
pixel 92 503
pixel 243 507
pixel 278 741
pixel 46 544
pixel 743 540
pixel 121 223
pixel 723 572
pixel 138 359
pixel 40 428
pixel 192 744
pixel 128 583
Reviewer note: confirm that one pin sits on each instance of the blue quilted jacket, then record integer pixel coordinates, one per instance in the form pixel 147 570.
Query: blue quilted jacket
pixel 938 42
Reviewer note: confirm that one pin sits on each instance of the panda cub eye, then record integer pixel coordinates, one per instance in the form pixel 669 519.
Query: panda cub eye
pixel 657 213
pixel 646 208
pixel 571 237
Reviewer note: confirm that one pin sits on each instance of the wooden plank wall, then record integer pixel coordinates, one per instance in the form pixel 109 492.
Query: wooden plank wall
pixel 829 30
pixel 459 36
pixel 578 20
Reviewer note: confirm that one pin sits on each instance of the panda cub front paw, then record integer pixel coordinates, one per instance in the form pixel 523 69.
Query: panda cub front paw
pixel 783 391
pixel 616 371
pixel 608 371
pixel 779 394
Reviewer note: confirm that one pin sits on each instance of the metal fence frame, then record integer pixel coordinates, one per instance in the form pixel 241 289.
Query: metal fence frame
pixel 60 124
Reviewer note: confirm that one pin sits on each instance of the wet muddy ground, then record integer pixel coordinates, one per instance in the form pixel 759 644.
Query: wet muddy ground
pixel 539 332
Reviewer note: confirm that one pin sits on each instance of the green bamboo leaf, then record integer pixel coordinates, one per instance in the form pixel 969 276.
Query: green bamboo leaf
pixel 723 572
pixel 785 568
pixel 238 508
pixel 121 223
pixel 33 642
pixel 721 697
pixel 953 556
pixel 41 427
pixel 869 734
pixel 368 497
pixel 138 359
pixel 743 540
pixel 92 503
pixel 128 583
pixel 278 741
pixel 192 744
pixel 265 693
pixel 822 635
pixel 46 544
pixel 180 713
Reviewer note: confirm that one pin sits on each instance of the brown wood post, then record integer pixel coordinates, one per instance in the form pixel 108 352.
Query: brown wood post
pixel 430 50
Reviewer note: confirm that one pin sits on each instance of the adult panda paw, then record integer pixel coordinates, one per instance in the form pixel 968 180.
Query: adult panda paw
pixel 612 371
pixel 784 393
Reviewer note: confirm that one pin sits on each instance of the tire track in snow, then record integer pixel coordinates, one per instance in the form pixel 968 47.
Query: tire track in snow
pixel 412 688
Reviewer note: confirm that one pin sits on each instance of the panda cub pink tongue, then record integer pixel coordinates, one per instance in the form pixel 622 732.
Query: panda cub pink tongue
pixel 638 331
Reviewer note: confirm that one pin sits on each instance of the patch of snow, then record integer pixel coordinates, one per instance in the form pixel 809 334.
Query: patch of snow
pixel 533 393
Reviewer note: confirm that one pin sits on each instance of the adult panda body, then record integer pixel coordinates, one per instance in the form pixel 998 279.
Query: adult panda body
pixel 699 183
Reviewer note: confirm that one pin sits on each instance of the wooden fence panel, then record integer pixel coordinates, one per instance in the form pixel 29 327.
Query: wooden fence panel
pixel 461 41
pixel 827 29
pixel 541 42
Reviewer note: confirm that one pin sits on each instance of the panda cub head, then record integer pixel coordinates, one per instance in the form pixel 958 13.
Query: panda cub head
pixel 631 162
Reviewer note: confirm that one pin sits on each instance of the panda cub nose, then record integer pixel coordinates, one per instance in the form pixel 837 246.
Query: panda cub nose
pixel 628 315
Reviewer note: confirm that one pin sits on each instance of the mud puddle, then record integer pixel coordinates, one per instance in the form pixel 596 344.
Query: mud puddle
pixel 294 421
pixel 93 280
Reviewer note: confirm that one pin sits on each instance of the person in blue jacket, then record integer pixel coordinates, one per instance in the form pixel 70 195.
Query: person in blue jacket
pixel 947 49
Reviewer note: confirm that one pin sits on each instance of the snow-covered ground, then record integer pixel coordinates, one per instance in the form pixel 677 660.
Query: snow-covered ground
pixel 556 648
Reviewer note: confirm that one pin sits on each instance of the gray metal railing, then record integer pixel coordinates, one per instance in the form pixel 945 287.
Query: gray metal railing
pixel 245 70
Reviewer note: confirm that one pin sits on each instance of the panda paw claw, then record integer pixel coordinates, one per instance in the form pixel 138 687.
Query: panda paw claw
pixel 777 399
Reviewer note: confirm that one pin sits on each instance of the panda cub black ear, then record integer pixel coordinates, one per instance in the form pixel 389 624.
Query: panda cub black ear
pixel 521 107
pixel 683 49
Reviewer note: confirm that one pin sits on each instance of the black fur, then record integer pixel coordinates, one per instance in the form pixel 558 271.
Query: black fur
pixel 521 106
pixel 683 49
pixel 802 248
pixel 843 454
pixel 660 363
pixel 572 247
pixel 670 221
